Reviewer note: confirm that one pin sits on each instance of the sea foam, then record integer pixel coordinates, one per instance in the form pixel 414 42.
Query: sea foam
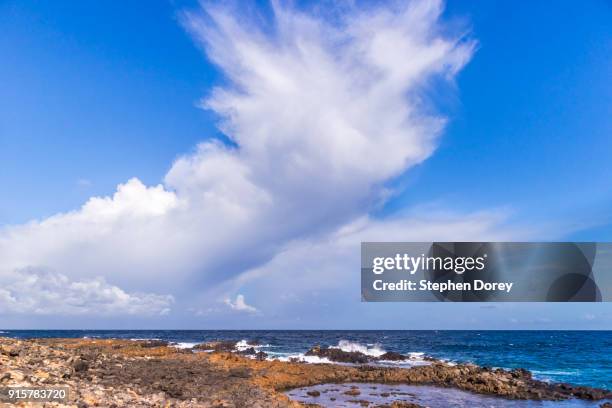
pixel 374 350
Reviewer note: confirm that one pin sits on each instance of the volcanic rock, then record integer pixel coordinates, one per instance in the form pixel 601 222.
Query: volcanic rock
pixel 340 356
pixel 217 346
pixel 153 343
pixel 393 356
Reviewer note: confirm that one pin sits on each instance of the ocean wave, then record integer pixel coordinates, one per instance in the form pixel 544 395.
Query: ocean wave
pixel 414 359
pixel 555 372
pixel 243 345
pixel 240 346
pixel 145 338
pixel 401 364
pixel 375 350
pixel 184 345
pixel 301 357
pixel 552 375
pixel 372 350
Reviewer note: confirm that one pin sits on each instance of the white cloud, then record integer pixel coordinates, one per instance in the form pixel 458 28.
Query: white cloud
pixel 322 113
pixel 48 293
pixel 240 305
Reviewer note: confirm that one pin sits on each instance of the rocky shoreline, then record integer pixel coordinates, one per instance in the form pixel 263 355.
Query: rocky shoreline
pixel 118 373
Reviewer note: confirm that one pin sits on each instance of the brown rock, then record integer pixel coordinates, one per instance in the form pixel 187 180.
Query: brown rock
pixel 404 404
pixel 261 356
pixel 393 356
pixel 80 365
pixel 340 356
pixel 153 343
pixel 217 346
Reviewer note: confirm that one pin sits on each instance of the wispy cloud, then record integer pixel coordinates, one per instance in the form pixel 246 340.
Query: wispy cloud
pixel 322 113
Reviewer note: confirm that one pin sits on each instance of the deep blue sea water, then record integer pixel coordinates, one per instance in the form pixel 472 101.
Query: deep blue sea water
pixel 577 357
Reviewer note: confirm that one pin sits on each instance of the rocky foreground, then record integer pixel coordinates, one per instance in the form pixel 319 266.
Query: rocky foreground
pixel 121 373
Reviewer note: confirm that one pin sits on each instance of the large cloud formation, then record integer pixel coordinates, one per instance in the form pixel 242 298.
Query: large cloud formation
pixel 322 111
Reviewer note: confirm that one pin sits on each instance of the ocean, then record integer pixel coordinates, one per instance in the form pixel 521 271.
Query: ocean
pixel 577 357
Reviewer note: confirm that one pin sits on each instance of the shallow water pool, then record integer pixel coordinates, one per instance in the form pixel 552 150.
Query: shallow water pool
pixel 356 394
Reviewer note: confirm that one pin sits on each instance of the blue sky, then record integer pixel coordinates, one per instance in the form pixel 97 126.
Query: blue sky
pixel 96 94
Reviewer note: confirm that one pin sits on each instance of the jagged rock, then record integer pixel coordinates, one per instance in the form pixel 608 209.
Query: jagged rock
pixel 393 356
pixel 403 404
pixel 583 392
pixel 400 404
pixel 355 357
pixel 217 346
pixel 80 365
pixel 240 372
pixel 15 375
pixel 362 403
pixel 340 356
pixel 10 350
pixel 521 373
pixel 353 392
pixel 153 343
